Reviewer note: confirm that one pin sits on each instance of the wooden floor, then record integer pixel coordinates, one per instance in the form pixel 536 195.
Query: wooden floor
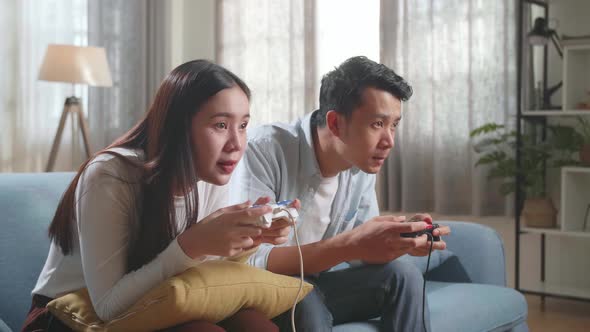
pixel 558 315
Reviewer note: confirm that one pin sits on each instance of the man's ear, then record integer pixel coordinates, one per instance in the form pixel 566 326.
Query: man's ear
pixel 334 123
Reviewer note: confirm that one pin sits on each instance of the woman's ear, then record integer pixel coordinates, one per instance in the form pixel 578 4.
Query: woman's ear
pixel 333 122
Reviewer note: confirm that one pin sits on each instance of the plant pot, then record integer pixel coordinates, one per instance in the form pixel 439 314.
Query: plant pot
pixel 585 154
pixel 539 212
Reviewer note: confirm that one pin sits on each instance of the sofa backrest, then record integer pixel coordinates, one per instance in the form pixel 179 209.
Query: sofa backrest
pixel 27 205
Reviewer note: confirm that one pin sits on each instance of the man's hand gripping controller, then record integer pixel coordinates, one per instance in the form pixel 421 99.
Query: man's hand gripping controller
pixel 429 229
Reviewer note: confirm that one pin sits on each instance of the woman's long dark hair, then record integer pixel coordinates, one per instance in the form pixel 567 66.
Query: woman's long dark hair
pixel 164 134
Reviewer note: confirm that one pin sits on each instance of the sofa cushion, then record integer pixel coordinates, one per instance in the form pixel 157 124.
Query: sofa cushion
pixel 456 307
pixel 474 307
pixel 27 205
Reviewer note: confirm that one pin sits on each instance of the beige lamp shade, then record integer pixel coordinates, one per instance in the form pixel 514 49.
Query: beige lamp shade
pixel 76 64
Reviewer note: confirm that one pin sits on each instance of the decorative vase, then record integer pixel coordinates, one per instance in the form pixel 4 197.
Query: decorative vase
pixel 539 212
pixel 585 154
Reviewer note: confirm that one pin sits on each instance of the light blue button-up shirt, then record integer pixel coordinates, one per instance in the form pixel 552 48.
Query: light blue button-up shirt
pixel 280 162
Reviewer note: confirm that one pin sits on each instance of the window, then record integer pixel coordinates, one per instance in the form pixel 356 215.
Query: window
pixel 345 28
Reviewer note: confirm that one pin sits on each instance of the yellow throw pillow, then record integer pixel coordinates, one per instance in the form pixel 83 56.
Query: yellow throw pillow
pixel 211 291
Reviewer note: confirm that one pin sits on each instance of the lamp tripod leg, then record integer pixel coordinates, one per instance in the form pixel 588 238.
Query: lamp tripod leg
pixel 84 127
pixel 57 139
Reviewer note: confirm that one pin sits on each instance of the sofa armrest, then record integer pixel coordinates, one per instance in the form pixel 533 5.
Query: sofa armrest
pixel 4 327
pixel 477 255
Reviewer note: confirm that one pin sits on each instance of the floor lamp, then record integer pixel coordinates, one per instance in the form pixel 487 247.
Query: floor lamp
pixel 541 34
pixel 76 65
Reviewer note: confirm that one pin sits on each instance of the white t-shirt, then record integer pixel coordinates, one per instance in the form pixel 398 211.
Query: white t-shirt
pixel 106 214
pixel 318 215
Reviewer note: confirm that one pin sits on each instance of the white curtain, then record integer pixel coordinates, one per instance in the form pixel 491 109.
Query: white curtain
pixel 269 44
pixel 133 32
pixel 460 58
pixel 30 109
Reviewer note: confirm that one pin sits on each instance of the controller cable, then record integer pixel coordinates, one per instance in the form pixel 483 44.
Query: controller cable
pixel 431 239
pixel 301 281
pixel 292 220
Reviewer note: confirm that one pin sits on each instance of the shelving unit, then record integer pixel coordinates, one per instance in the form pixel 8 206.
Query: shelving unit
pixel 553 231
pixel 574 203
pixel 556 113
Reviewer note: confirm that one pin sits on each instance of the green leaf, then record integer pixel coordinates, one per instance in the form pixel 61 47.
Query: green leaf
pixel 498 173
pixel 495 156
pixel 484 144
pixel 565 138
pixel 585 129
pixel 507 188
pixel 486 128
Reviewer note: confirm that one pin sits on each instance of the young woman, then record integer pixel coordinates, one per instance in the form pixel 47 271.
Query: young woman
pixel 147 207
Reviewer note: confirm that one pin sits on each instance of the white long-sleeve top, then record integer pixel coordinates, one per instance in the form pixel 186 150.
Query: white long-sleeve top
pixel 107 213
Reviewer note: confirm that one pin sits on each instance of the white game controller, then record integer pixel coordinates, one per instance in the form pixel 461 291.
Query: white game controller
pixel 280 210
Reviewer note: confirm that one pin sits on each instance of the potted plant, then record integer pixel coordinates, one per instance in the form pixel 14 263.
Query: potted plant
pixel 497 148
pixel 574 139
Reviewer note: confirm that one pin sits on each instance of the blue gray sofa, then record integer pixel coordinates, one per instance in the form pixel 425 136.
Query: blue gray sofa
pixel 466 288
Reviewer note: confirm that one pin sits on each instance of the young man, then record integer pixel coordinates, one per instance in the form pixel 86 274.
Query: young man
pixel 328 159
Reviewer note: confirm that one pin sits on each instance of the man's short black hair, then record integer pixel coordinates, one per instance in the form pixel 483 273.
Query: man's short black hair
pixel 342 88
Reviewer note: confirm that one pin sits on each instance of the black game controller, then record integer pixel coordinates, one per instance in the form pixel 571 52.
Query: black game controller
pixel 429 229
